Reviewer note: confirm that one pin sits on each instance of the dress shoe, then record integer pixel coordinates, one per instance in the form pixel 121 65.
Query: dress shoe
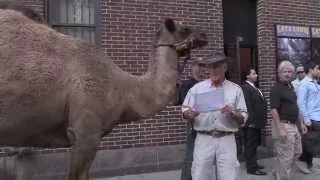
pixel 257 172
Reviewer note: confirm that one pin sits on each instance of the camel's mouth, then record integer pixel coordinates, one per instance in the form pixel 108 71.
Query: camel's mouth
pixel 192 42
pixel 199 40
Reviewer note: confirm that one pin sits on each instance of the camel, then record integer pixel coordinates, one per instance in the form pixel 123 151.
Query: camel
pixel 58 91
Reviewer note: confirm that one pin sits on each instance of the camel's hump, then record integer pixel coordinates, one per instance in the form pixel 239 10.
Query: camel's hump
pixel 13 16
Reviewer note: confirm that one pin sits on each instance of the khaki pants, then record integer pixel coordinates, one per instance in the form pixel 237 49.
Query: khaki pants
pixel 210 151
pixel 288 151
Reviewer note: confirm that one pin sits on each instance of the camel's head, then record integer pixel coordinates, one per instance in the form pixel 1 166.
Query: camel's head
pixel 180 36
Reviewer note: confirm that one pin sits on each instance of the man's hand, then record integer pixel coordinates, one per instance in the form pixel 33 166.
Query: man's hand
pixel 234 115
pixel 307 122
pixel 190 114
pixel 227 109
pixel 282 135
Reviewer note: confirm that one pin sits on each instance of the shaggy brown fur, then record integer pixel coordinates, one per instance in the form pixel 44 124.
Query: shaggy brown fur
pixel 26 11
pixel 56 91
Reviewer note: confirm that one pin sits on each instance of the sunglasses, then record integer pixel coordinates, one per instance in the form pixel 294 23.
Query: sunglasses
pixel 299 72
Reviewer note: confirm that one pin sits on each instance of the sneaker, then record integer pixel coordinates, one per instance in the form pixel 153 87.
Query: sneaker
pixel 302 166
pixel 315 170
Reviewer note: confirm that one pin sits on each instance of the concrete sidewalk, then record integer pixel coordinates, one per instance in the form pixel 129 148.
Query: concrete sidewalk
pixel 175 175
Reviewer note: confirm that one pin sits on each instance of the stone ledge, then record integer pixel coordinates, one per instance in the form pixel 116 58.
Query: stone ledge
pixel 108 163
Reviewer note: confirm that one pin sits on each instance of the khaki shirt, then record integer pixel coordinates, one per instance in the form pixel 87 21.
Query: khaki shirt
pixel 216 120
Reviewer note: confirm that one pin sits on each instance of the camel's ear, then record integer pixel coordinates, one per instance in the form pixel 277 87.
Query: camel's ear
pixel 170 25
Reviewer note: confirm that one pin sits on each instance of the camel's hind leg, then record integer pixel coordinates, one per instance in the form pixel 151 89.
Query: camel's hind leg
pixel 85 134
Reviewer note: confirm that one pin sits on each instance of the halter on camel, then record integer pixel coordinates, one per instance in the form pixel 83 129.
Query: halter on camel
pixel 183 49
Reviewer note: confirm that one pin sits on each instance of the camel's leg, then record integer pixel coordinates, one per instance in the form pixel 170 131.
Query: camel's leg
pixel 85 134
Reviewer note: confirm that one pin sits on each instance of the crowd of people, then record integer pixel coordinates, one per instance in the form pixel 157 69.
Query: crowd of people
pixel 211 148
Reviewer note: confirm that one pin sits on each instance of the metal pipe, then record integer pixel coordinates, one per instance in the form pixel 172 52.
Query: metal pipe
pixel 238 40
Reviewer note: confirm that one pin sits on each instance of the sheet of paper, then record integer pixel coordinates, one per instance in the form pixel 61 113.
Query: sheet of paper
pixel 209 101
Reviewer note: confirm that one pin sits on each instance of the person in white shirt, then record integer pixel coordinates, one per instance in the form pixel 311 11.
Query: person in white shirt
pixel 215 141
pixel 300 74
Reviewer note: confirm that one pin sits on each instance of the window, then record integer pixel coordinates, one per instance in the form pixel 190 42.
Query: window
pixel 73 17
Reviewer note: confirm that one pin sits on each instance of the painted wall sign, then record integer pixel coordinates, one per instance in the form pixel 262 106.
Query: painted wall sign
pixel 293 31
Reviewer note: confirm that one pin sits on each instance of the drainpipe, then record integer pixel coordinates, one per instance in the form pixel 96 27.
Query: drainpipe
pixel 239 39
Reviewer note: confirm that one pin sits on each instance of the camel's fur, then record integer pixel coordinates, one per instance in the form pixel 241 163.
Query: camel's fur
pixel 56 91
pixel 10 4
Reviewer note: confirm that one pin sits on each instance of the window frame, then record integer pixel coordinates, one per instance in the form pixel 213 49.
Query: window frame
pixel 96 26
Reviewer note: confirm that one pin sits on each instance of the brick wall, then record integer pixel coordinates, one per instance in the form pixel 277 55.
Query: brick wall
pixel 129 27
pixel 127 31
pixel 269 13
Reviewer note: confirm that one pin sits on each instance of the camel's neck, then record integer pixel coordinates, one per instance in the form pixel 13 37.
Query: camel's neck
pixel 164 70
pixel 158 86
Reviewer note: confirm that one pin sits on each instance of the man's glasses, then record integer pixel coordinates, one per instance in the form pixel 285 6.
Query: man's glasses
pixel 300 72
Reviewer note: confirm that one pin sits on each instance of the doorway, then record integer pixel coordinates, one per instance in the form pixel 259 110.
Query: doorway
pixel 239 20
pixel 248 58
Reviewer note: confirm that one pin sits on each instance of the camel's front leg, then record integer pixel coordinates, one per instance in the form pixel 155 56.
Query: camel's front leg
pixel 84 133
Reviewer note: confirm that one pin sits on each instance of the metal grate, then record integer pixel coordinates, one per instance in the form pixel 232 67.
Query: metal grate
pixel 73 17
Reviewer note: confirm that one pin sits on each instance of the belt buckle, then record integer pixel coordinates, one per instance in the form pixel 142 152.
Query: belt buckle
pixel 217 134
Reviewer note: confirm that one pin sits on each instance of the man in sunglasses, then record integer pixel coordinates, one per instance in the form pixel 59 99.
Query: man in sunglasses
pixel 300 74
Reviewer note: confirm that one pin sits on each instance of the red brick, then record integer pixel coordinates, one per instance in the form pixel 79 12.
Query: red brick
pixel 269 13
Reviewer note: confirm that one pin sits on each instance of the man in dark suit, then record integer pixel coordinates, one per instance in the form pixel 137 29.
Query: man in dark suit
pixel 191 134
pixel 257 111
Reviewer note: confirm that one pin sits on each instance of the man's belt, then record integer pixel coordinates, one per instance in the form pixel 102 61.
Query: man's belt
pixel 286 121
pixel 216 134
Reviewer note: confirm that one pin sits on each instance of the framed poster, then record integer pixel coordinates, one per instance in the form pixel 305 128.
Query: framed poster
pixel 296 50
pixel 293 44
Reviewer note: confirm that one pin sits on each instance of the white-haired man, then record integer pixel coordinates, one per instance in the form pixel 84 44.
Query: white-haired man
pixel 285 113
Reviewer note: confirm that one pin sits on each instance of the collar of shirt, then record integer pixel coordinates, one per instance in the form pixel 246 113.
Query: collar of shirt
pixel 220 85
pixel 250 83
pixel 284 83
pixel 308 78
pixel 297 80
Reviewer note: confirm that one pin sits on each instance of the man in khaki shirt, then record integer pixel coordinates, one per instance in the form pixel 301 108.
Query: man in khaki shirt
pixel 215 141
